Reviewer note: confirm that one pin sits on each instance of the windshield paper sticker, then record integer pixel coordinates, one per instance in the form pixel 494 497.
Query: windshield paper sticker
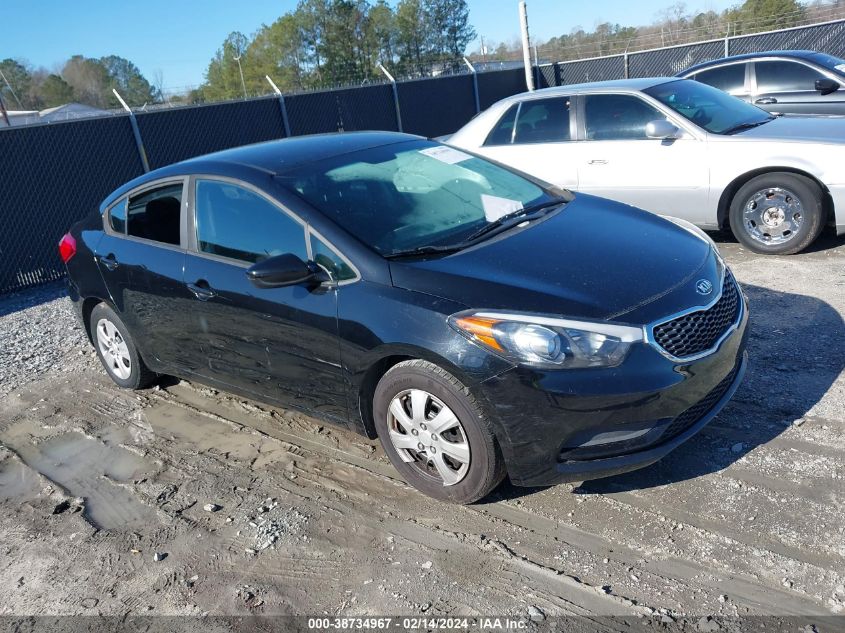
pixel 495 207
pixel 444 154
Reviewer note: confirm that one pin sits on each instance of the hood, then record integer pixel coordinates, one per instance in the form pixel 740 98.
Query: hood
pixel 594 259
pixel 802 129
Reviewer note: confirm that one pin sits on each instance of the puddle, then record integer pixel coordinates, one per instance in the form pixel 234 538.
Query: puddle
pixel 17 481
pixel 84 467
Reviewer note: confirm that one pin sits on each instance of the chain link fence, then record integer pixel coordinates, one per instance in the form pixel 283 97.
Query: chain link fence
pixel 51 175
pixel 828 37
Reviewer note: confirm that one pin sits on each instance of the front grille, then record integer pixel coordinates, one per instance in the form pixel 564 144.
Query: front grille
pixel 699 331
pixel 697 411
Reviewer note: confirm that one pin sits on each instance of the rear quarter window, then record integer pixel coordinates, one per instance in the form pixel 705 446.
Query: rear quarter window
pixel 117 217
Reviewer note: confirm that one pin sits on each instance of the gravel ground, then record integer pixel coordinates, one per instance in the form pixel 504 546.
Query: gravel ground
pixel 183 500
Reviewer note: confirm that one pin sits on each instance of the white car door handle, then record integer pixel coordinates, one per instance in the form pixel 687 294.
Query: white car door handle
pixel 597 161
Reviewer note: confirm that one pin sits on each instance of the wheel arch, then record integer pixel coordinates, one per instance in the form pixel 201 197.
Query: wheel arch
pixel 88 305
pixel 724 207
pixel 378 365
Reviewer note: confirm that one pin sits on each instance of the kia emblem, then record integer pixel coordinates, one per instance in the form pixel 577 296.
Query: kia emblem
pixel 703 287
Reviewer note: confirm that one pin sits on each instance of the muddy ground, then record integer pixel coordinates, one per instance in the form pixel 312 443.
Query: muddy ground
pixel 104 493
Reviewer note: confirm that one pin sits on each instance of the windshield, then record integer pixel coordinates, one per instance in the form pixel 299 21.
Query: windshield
pixel 708 107
pixel 412 194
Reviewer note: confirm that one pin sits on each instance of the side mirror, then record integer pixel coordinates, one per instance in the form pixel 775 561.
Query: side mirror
pixel 826 86
pixel 661 129
pixel 285 270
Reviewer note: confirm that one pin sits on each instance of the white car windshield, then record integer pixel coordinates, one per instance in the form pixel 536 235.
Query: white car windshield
pixel 708 107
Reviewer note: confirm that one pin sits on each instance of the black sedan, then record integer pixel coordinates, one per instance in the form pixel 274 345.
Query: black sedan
pixel 478 322
pixel 783 82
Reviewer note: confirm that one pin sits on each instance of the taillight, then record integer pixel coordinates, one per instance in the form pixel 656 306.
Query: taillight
pixel 67 247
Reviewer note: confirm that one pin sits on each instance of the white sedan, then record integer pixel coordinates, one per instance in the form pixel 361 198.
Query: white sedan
pixel 677 147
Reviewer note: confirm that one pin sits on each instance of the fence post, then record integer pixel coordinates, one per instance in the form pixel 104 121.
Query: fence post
pixel 136 131
pixel 395 95
pixel 625 68
pixel 282 106
pixel 474 85
pixel 728 42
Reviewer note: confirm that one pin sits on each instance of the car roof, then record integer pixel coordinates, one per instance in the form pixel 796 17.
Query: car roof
pixel 799 54
pixel 267 158
pixel 615 85
pixel 278 156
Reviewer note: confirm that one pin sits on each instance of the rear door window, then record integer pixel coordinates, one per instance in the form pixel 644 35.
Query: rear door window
pixel 533 121
pixel 502 134
pixel 784 76
pixel 730 78
pixel 155 214
pixel 543 121
pixel 235 222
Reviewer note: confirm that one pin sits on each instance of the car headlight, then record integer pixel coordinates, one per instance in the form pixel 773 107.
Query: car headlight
pixel 548 342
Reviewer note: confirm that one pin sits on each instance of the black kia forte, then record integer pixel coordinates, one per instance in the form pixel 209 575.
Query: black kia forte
pixel 477 321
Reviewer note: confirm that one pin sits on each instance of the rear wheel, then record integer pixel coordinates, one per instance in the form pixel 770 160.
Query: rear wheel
pixel 435 434
pixel 777 213
pixel 117 350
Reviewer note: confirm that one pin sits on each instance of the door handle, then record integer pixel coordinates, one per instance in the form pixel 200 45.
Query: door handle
pixel 202 290
pixel 109 261
pixel 597 161
pixel 766 100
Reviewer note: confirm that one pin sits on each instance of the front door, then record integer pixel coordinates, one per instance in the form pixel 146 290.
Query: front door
pixel 789 87
pixel 617 160
pixel 277 343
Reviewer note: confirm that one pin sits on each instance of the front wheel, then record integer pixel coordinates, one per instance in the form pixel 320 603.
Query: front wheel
pixel 435 434
pixel 777 213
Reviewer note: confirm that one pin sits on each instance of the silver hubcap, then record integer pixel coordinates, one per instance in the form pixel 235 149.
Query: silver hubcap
pixel 426 433
pixel 113 349
pixel 773 216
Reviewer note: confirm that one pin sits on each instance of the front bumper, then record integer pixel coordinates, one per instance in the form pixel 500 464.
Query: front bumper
pixel 557 426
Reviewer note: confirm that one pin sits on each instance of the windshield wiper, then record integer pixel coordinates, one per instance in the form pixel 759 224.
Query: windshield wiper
pixel 746 126
pixel 424 250
pixel 513 218
pixel 508 220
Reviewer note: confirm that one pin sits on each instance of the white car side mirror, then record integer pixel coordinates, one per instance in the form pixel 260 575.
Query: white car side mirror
pixel 662 129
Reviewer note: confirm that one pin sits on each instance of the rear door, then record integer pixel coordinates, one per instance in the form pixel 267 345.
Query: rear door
pixel 617 160
pixel 535 136
pixel 278 343
pixel 140 258
pixel 789 87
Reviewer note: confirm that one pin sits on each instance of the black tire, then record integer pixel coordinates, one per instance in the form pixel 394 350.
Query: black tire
pixel 486 466
pixel 139 376
pixel 808 193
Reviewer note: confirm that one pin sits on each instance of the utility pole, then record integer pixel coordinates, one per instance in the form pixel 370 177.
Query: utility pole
pixel 526 45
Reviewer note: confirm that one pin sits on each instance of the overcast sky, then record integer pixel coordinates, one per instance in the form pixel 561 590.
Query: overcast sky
pixel 178 38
